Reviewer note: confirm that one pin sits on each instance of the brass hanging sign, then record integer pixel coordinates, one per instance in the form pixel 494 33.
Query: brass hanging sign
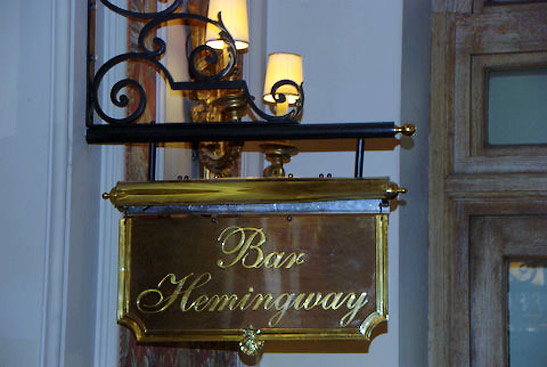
pixel 215 261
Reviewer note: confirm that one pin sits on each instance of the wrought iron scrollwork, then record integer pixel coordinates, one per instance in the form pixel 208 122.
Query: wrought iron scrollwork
pixel 118 98
pixel 293 114
pixel 138 15
pixel 152 48
pixel 213 58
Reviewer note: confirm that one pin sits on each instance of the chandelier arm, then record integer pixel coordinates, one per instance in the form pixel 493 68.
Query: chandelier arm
pixel 292 115
pixel 138 15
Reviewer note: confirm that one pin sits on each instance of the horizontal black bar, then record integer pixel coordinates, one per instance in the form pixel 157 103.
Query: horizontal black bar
pixel 225 131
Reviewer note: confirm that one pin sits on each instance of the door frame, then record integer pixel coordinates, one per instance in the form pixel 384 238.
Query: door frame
pixel 462 183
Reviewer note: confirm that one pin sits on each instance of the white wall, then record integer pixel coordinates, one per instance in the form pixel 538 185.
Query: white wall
pixel 24 150
pixel 49 188
pixel 352 73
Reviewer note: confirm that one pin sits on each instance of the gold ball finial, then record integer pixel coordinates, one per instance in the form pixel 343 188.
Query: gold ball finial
pixel 392 190
pixel 407 129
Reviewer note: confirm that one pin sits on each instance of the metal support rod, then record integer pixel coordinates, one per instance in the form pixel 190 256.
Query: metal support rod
pixel 359 158
pixel 152 160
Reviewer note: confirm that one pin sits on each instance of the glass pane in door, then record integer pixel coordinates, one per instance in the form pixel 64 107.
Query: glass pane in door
pixel 517 107
pixel 527 313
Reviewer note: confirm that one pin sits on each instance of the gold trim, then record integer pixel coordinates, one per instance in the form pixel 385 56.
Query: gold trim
pixel 250 344
pixel 124 268
pixel 381 314
pixel 266 334
pixel 256 191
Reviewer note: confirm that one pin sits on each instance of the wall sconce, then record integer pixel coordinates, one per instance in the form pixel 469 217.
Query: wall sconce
pixel 281 67
pixel 234 17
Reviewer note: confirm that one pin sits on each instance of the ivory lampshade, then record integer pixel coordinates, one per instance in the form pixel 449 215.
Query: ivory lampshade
pixel 283 66
pixel 234 17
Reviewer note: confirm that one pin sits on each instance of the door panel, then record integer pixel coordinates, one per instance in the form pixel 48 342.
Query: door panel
pixel 496 242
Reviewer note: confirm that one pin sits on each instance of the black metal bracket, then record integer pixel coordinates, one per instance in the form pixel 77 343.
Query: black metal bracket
pixel 150 50
pixel 227 131
pixel 243 131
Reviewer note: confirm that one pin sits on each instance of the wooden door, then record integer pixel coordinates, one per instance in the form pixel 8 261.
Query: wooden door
pixel 479 187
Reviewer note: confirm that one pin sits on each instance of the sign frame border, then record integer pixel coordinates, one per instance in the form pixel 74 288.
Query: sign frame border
pixel 377 317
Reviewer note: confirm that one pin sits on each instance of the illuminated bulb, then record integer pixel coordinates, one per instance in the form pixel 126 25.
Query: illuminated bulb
pixel 283 66
pixel 234 17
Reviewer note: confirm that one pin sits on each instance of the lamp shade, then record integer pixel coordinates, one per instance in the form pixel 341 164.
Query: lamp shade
pixel 234 17
pixel 283 66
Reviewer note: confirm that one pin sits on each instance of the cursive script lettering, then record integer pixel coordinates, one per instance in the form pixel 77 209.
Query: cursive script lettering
pixel 169 289
pixel 243 245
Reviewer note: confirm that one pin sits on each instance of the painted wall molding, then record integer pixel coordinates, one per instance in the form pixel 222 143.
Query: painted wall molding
pixel 112 169
pixel 107 330
pixel 57 216
pixel 70 304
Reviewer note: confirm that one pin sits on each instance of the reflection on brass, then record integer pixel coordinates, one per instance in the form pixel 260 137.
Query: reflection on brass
pixel 329 282
pixel 278 154
pixel 406 129
pixel 238 191
pixel 250 345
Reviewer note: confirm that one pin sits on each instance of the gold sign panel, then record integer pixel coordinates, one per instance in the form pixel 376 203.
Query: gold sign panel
pixel 251 260
pixel 192 277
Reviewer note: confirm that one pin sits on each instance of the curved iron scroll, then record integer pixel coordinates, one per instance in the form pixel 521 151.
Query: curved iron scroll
pixel 138 15
pixel 151 54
